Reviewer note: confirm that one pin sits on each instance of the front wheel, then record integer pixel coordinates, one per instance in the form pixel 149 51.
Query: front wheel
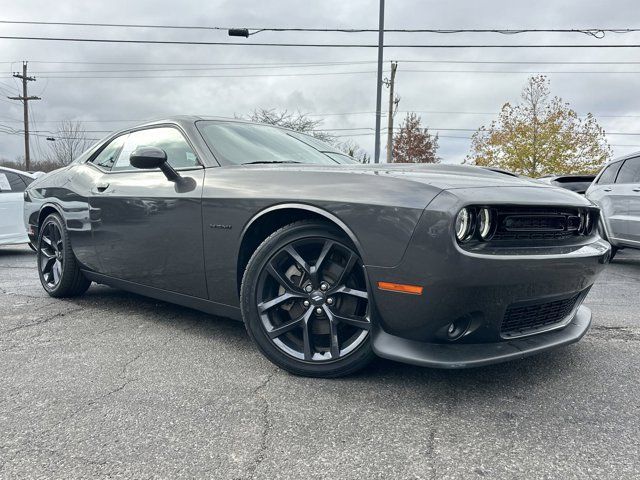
pixel 305 301
pixel 58 269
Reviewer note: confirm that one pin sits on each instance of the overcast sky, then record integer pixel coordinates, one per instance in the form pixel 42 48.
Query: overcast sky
pixel 108 104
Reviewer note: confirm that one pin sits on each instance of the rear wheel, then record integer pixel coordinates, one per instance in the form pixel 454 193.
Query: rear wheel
pixel 58 269
pixel 305 301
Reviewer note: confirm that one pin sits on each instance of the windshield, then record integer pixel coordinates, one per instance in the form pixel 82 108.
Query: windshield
pixel 243 143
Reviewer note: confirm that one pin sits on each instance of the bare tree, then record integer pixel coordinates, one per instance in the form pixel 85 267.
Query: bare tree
pixel 298 121
pixel 354 150
pixel 69 142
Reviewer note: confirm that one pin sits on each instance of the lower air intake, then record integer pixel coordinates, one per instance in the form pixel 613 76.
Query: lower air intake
pixel 526 318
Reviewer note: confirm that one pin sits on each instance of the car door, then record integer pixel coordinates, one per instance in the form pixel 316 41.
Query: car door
pixel 12 229
pixel 628 185
pixel 147 229
pixel 610 198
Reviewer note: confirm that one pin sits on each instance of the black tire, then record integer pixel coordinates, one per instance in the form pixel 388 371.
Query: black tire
pixel 327 341
pixel 614 250
pixel 32 247
pixel 58 268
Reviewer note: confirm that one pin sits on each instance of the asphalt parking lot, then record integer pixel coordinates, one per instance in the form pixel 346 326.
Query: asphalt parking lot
pixel 116 385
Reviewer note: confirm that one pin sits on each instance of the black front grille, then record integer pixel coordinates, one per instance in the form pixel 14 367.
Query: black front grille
pixel 537 223
pixel 525 318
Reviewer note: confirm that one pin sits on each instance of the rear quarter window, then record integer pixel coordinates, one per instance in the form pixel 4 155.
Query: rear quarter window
pixel 629 171
pixel 609 174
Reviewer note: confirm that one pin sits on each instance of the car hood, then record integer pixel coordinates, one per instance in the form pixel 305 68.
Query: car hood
pixel 444 177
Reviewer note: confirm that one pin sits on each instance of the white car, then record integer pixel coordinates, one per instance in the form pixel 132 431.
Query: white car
pixel 616 190
pixel 12 186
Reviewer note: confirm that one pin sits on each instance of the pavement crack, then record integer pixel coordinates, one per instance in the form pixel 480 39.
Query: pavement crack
pixel 267 425
pixel 611 332
pixel 41 321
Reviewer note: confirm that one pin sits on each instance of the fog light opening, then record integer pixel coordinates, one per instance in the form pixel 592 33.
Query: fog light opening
pixel 457 328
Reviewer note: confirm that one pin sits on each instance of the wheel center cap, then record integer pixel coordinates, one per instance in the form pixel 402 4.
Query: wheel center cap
pixel 316 298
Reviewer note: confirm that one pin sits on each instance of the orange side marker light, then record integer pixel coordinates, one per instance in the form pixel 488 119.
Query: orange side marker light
pixel 400 287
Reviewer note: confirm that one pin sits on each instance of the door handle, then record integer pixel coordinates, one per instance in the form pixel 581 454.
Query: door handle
pixel 607 189
pixel 100 188
pixel 636 189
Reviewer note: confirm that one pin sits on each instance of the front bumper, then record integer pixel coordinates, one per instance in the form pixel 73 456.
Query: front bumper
pixel 461 355
pixel 480 290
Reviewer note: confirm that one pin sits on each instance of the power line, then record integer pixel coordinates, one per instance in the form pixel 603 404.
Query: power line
pixel 328 114
pixel 64 74
pixel 267 64
pixel 201 68
pixel 309 45
pixel 252 75
pixel 437 112
pixel 454 130
pixel 306 65
pixel 16 132
pixel 594 32
pixel 345 62
pixel 524 62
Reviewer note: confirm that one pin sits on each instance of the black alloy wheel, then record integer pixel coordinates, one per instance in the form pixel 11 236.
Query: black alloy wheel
pixel 306 301
pixel 51 255
pixel 58 269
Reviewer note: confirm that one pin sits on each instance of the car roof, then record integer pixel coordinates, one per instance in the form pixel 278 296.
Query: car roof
pixel 191 119
pixel 624 157
pixel 13 170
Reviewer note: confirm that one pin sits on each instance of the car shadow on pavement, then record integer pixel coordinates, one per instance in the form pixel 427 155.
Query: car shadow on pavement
pixel 16 250
pixel 489 380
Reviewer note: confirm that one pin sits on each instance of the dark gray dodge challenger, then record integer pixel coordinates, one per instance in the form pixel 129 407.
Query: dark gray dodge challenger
pixel 327 262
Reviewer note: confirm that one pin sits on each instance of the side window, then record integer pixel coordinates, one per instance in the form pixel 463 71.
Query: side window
pixel 609 175
pixel 109 154
pixel 27 180
pixel 179 153
pixel 11 182
pixel 630 171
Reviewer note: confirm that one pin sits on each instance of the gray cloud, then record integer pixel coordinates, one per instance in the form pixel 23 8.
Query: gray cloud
pixel 103 100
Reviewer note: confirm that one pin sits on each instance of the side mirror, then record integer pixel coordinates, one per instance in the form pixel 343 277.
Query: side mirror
pixel 149 158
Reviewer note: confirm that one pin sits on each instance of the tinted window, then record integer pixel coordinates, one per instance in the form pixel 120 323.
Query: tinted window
pixel 13 181
pixel 241 143
pixel 109 154
pixel 179 153
pixel 630 171
pixel 609 174
pixel 27 180
pixel 579 187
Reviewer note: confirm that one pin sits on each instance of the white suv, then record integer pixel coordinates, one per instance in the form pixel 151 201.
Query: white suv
pixel 12 186
pixel 617 191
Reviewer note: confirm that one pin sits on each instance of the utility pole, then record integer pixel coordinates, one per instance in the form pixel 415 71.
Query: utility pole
pixel 392 104
pixel 376 157
pixel 25 103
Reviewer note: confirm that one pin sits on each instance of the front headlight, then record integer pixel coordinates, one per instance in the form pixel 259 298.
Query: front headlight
pixel 485 224
pixel 463 225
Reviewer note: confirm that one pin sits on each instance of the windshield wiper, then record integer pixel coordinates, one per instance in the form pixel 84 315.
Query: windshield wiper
pixel 270 161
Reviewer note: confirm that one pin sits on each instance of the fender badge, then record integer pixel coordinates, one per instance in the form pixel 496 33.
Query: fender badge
pixel 220 226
